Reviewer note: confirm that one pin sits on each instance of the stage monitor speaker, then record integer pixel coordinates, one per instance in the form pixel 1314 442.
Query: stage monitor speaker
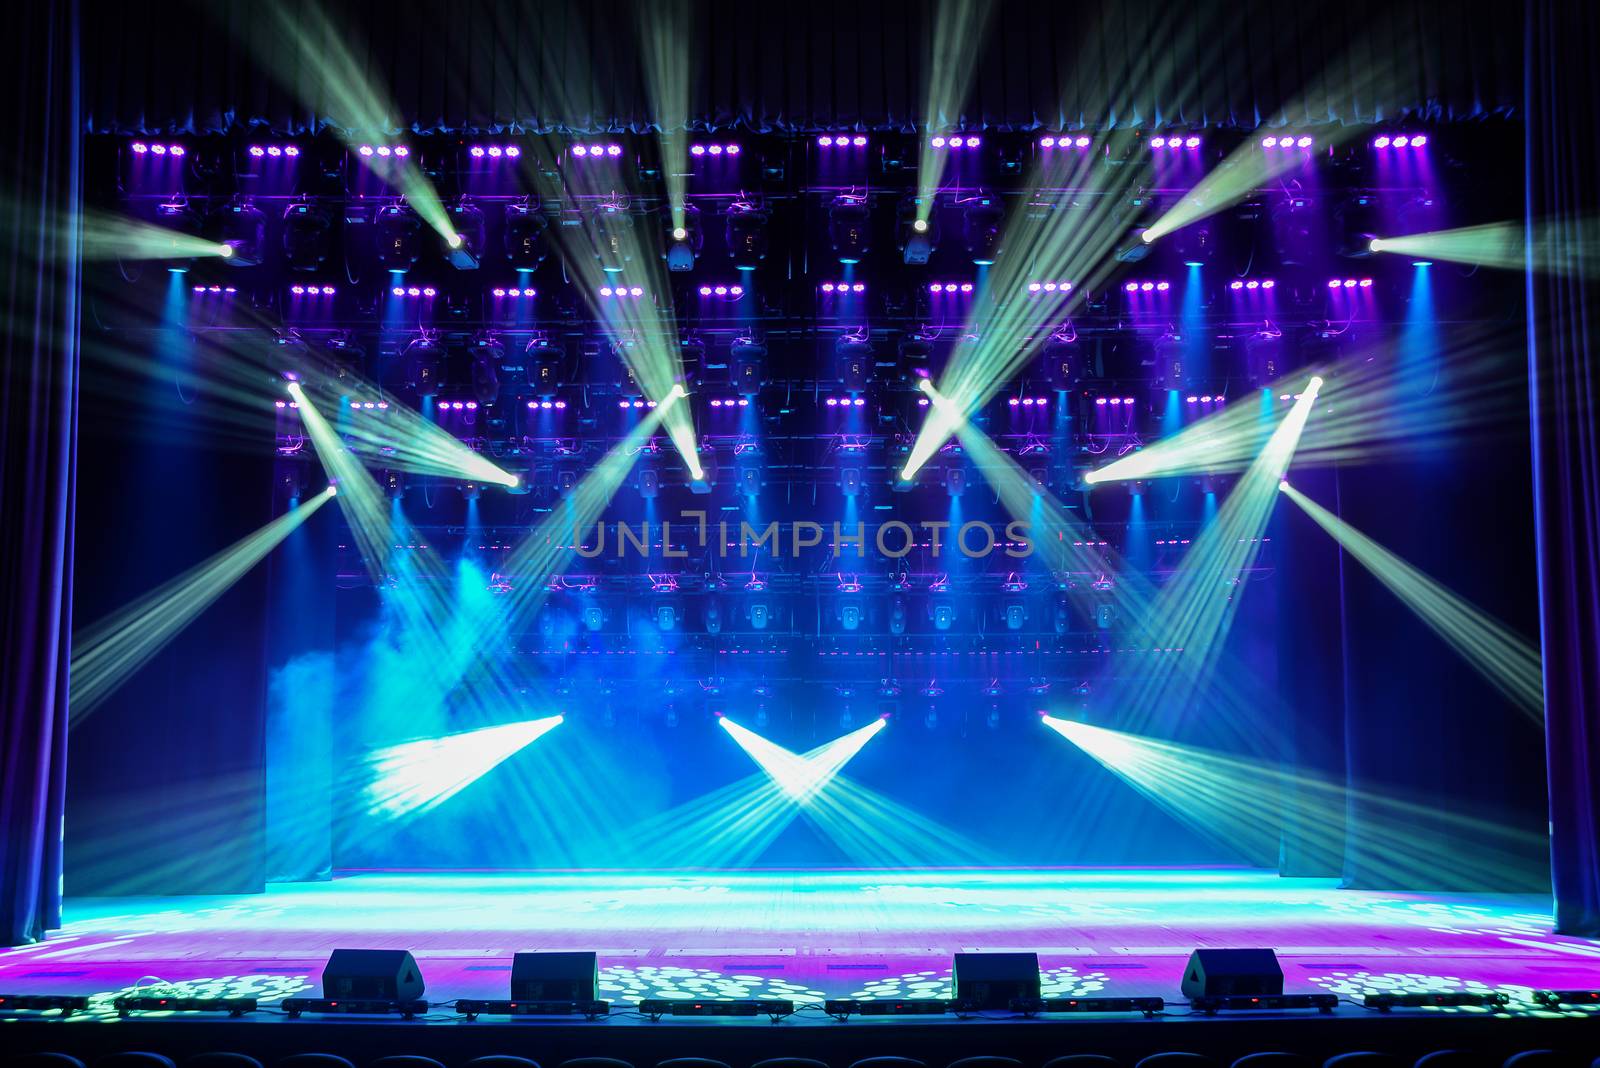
pixel 374 974
pixel 994 980
pixel 1226 972
pixel 555 977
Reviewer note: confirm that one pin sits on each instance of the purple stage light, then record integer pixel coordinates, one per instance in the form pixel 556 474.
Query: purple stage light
pixel 733 150
pixel 636 291
pixel 1349 282
pixel 1366 283
pixel 1192 141
pixel 176 150
pixel 827 287
pixel 413 291
pixel 199 289
pixel 1013 402
pixel 402 151
pixel 705 291
pixel 495 151
pixel 715 150
pixel 1162 287
pixel 1381 142
pixel 859 140
pixel 1401 142
pixel 160 150
pixel 427 291
pixel 140 147
pixel 825 141
pixel 1082 141
pixel 1235 284
pixel 623 404
pixel 937 142
pixel 1304 141
pixel 476 151
pixel 398 291
pixel 1146 286
pixel 292 151
pixel 832 402
pixel 613 150
pixel 1158 142
pixel 1252 284
pixel 385 150
pixel 721 291
pixel 1047 142
pixel 257 150
pixel 605 291
pixel 697 150
pixel 499 292
pixel 1131 287
pixel 365 150
pixel 274 151
pixel 1419 140
pixel 579 150
pixel 297 290
pixel 1269 142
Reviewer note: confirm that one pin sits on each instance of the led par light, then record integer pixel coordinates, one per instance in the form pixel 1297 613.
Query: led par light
pixel 243 228
pixel 684 242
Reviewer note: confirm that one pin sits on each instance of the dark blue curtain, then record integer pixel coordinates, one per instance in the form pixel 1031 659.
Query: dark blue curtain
pixel 38 416
pixel 491 65
pixel 1563 160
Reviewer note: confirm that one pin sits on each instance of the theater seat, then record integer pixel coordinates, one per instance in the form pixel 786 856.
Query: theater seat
pixel 1455 1058
pixel 1176 1060
pixel 134 1060
pixel 221 1060
pixel 1364 1059
pixel 986 1062
pixel 313 1060
pixel 497 1060
pixel 595 1062
pixel 404 1060
pixel 889 1062
pixel 44 1060
pixel 1274 1060
pixel 1544 1058
pixel 789 1062
pixel 690 1062
pixel 1083 1060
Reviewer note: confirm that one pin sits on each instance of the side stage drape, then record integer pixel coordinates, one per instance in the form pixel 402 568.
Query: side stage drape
pixel 38 414
pixel 1563 167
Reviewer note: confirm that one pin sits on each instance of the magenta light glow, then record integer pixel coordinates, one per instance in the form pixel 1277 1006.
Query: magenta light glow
pixel 721 291
pixel 728 149
pixel 1349 283
pixel 957 142
pixel 558 405
pixel 1175 141
pixel 844 287
pixel 140 148
pixel 622 291
pixel 842 140
pixel 1400 141
pixel 1146 287
pixel 1063 141
pixel 1049 287
pixel 1252 283
pixel 494 151
pixel 950 287
pixel 514 292
pixel 613 151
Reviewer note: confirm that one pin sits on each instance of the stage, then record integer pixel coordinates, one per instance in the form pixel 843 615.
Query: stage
pixel 807 935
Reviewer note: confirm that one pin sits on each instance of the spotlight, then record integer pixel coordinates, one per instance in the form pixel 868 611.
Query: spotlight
pixel 243 233
pixel 983 222
pixel 466 240
pixel 1137 246
pixel 848 219
pixel 613 226
pixel 399 238
pixel 422 365
pixel 177 216
pixel 487 356
pixel 524 236
pixel 686 241
pixel 919 236
pixel 747 234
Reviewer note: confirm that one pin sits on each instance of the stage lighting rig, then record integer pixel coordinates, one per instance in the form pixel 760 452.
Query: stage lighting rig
pixel 983 223
pixel 747 234
pixel 613 232
pixel 399 238
pixel 853 361
pixel 685 241
pixel 307 235
pixel 542 364
pixel 1061 359
pixel 918 234
pixel 848 221
pixel 242 227
pixel 422 365
pixel 177 216
pixel 465 244
pixel 487 356
pixel 524 236
pixel 1136 247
